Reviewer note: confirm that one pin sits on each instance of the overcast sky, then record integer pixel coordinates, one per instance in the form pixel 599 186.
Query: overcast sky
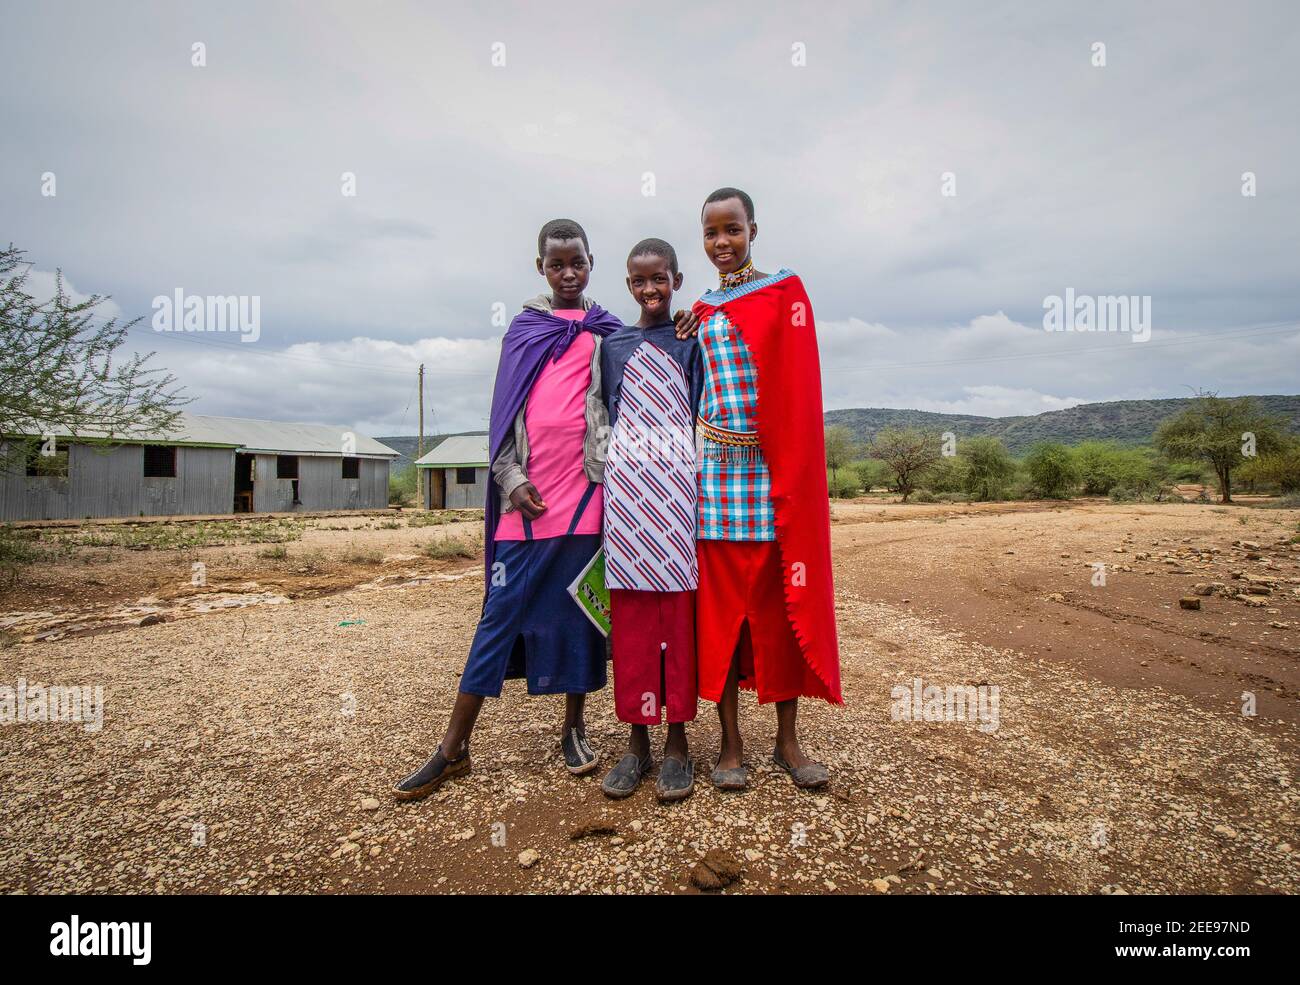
pixel 225 179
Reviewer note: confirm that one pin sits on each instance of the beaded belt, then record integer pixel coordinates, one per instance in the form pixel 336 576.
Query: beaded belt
pixel 725 445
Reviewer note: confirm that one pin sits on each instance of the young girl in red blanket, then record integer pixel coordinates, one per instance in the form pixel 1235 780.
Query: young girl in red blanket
pixel 765 617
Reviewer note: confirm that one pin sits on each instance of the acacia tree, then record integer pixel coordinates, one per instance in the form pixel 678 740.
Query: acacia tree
pixel 58 375
pixel 840 449
pixel 908 454
pixel 1223 432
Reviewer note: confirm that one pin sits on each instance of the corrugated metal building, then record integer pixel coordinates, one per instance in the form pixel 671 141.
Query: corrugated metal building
pixel 207 465
pixel 456 473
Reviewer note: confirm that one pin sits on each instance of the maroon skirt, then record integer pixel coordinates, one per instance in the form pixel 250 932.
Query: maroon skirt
pixel 653 637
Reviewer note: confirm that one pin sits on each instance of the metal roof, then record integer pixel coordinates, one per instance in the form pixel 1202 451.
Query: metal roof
pixel 459 449
pixel 278 437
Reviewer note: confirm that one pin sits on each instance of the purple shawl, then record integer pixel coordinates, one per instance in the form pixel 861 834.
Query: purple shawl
pixel 533 339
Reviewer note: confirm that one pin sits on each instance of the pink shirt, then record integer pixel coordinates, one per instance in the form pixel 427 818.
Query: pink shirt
pixel 555 418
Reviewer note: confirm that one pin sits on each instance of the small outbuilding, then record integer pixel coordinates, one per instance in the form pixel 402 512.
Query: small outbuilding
pixel 456 473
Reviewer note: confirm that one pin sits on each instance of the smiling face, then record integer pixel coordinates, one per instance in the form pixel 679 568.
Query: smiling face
pixel 651 282
pixel 728 234
pixel 566 265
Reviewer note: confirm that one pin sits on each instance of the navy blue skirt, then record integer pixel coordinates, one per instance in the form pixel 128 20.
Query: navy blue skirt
pixel 531 627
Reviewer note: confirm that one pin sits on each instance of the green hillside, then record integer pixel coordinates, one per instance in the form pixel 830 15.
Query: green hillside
pixel 1126 421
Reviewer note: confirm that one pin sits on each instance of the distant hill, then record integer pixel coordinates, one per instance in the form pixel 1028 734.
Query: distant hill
pixel 1130 422
pixel 1126 421
pixel 406 446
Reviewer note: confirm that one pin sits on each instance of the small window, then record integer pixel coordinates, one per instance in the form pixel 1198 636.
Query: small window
pixel 160 461
pixel 465 477
pixel 352 468
pixel 54 464
pixel 286 466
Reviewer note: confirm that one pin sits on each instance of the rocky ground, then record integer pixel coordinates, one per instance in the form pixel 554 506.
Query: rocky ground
pixel 249 747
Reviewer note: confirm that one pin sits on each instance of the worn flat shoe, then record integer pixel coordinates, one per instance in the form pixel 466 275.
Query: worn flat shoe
pixel 436 771
pixel 735 778
pixel 810 776
pixel 579 758
pixel 625 777
pixel 676 780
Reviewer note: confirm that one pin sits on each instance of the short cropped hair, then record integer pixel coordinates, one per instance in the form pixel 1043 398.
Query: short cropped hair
pixel 561 229
pixel 655 248
pixel 722 194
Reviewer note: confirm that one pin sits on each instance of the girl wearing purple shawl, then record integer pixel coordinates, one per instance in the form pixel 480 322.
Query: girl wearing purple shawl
pixel 542 518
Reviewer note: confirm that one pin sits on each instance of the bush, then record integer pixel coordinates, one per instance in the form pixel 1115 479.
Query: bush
pixel 989 468
pixel 952 497
pixel 452 547
pixel 1051 471
pixel 871 472
pixel 1103 465
pixel 1279 472
pixel 947 476
pixel 404 487
pixel 17 550
pixel 1185 472
pixel 846 487
pixel 924 496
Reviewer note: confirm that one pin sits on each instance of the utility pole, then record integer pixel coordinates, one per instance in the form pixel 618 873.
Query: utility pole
pixel 419 448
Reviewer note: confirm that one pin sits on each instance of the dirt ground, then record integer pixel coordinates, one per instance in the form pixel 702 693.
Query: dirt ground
pixel 254 723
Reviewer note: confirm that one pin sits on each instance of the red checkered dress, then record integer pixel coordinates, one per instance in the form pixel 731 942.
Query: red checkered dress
pixel 735 486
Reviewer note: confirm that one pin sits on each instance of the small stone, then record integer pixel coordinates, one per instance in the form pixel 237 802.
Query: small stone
pixel 370 804
pixel 881 886
pixel 1189 602
pixel 1224 831
pixel 529 857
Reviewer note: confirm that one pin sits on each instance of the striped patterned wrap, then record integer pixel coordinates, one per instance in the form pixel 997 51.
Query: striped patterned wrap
pixel 650 484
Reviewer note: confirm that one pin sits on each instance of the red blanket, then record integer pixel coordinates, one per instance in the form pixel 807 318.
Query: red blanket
pixel 776 322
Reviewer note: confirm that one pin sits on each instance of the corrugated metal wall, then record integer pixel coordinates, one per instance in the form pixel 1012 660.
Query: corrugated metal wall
pixel 321 485
pixel 105 482
pixel 110 482
pixel 460 496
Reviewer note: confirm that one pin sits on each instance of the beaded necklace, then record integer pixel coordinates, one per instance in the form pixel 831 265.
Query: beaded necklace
pixel 736 277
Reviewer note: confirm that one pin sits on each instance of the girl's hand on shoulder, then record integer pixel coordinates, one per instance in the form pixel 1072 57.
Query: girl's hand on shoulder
pixel 687 322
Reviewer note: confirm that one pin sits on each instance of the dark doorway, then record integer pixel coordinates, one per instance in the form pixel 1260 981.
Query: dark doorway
pixel 244 483
pixel 435 497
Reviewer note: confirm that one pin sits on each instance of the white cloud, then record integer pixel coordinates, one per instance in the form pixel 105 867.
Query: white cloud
pixel 1117 180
